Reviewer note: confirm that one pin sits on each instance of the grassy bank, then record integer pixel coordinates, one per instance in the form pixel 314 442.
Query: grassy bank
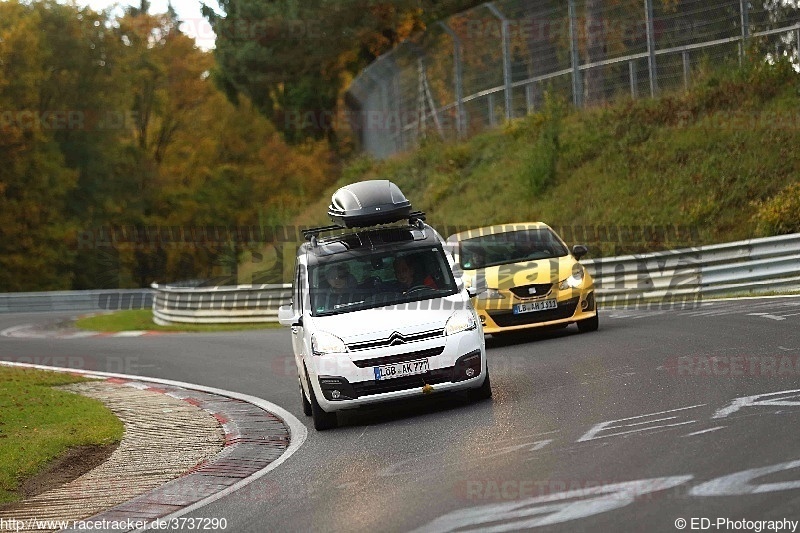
pixel 720 159
pixel 39 423
pixel 142 320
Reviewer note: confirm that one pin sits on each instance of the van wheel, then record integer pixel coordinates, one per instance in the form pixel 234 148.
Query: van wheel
pixel 590 324
pixel 484 392
pixel 306 405
pixel 322 419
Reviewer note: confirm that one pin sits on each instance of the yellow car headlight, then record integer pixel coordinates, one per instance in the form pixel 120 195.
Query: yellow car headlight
pixel 491 294
pixel 572 282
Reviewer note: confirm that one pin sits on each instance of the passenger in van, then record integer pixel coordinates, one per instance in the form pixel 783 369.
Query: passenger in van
pixel 339 278
pixel 338 286
pixel 409 274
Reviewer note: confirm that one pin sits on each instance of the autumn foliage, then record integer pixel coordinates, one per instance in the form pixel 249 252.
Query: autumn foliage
pixel 114 122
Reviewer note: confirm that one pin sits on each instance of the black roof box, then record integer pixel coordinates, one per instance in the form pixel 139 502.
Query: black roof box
pixel 368 203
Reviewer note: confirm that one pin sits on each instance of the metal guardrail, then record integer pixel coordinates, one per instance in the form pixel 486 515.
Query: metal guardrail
pixel 218 305
pixel 754 266
pixel 94 300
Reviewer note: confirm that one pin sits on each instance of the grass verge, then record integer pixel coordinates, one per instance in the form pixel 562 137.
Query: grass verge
pixel 142 319
pixel 38 423
pixel 717 161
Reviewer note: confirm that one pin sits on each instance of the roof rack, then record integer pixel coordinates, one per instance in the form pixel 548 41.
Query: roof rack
pixel 415 219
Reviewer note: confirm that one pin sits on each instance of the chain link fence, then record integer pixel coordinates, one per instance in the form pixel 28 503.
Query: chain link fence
pixel 497 61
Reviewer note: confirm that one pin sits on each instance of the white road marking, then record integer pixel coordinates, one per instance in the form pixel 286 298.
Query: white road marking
pixel 767 315
pixel 593 433
pixel 704 431
pixel 549 509
pixel 759 400
pixel 130 334
pixel 9 332
pixel 740 483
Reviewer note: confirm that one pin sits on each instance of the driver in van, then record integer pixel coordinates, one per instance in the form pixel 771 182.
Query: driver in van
pixel 408 274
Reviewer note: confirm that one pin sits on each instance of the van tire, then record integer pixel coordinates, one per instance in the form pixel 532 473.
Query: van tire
pixel 322 419
pixel 484 392
pixel 306 405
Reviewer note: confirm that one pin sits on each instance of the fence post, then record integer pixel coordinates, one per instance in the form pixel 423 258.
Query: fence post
pixel 506 57
pixel 492 119
pixel 577 80
pixel 421 113
pixel 651 47
pixel 459 81
pixel 797 40
pixel 744 13
pixel 686 69
pixel 634 79
pixel 529 105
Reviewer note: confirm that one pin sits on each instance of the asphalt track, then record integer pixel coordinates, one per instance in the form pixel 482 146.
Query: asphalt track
pixel 662 415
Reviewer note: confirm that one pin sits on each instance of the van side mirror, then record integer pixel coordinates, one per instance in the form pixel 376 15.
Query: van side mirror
pixel 287 316
pixel 579 250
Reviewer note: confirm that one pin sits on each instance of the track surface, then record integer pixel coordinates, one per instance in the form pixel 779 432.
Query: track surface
pixel 659 416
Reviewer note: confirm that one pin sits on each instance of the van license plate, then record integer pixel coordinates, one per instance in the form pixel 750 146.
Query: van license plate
pixel 399 370
pixel 535 306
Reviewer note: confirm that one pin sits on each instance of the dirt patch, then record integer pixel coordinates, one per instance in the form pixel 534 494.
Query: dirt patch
pixel 68 466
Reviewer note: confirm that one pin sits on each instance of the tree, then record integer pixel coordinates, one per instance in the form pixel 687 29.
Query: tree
pixel 33 181
pixel 291 57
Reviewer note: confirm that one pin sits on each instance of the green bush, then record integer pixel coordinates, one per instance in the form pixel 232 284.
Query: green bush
pixel 780 215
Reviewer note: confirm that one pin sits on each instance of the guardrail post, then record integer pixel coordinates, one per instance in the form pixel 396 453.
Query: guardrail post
pixel 577 80
pixel 651 47
pixel 492 119
pixel 506 58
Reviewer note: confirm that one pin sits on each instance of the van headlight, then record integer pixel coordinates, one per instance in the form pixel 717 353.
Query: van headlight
pixel 572 282
pixel 323 343
pixel 460 321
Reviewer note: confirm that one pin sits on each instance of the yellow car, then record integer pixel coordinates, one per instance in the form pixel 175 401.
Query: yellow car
pixel 526 277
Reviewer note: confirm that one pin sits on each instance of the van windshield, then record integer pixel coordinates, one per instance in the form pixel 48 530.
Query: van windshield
pixel 364 281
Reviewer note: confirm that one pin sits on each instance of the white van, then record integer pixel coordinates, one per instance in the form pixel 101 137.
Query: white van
pixel 377 313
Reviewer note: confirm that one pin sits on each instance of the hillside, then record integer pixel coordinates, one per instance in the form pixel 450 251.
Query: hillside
pixel 720 161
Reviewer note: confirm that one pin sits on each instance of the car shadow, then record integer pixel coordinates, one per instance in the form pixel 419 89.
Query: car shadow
pixel 513 338
pixel 398 410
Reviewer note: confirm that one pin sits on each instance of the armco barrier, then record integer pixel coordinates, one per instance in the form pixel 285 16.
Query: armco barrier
pixel 754 266
pixel 218 305
pixel 95 300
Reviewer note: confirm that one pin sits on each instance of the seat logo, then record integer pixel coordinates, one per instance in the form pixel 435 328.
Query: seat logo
pixel 531 290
